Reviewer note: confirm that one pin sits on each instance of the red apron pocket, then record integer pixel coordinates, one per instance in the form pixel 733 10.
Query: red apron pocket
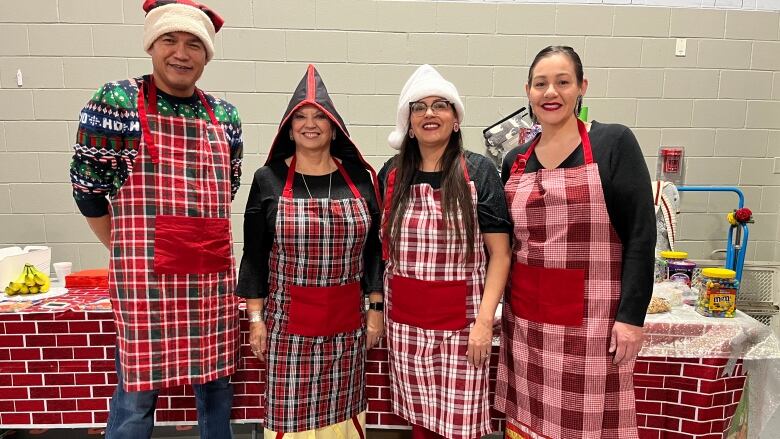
pixel 548 295
pixel 191 245
pixel 439 305
pixel 324 311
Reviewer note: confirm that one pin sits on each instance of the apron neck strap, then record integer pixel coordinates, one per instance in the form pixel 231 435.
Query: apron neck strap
pixel 153 101
pixel 586 149
pixel 388 201
pixel 344 174
pixel 152 105
pixel 288 184
pixel 465 169
pixel 520 162
pixel 152 87
pixel 145 131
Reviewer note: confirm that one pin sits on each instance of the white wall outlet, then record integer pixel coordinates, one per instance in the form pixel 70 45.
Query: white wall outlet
pixel 680 46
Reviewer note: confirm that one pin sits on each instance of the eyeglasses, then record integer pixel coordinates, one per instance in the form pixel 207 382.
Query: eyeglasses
pixel 419 108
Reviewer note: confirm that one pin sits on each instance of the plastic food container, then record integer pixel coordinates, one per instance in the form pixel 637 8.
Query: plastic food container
pixel 12 260
pixel 718 293
pixel 677 267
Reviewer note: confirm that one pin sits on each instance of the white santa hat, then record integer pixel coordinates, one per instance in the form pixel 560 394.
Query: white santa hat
pixel 424 82
pixel 165 16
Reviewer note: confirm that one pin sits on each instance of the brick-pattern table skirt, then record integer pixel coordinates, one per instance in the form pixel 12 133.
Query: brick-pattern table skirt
pixel 57 369
pixel 685 395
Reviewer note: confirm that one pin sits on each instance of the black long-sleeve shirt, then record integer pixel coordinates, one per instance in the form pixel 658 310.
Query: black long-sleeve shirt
pixel 260 222
pixel 626 184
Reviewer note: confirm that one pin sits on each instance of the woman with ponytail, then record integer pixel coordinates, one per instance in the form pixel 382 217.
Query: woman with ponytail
pixel 580 200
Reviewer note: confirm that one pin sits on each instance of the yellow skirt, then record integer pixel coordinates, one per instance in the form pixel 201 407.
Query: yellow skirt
pixel 343 430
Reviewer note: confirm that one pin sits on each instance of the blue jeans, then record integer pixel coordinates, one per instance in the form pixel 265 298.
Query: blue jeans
pixel 131 414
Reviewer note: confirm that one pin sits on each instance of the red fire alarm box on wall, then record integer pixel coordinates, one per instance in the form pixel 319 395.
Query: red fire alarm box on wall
pixel 671 164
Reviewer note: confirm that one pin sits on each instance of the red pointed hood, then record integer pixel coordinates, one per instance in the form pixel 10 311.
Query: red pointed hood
pixel 311 91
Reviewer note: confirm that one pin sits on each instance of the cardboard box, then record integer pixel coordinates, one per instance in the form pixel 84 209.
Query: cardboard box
pixel 12 260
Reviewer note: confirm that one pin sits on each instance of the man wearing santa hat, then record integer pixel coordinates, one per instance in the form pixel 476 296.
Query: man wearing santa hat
pixel 155 167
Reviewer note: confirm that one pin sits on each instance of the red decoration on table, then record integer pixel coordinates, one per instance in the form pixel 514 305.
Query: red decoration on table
pixel 87 278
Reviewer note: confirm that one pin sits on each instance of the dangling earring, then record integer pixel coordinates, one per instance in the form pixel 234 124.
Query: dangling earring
pixel 456 127
pixel 411 134
pixel 291 136
pixel 578 107
pixel 333 137
pixel 531 114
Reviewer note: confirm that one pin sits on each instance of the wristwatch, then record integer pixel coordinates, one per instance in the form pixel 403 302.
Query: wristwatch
pixel 377 306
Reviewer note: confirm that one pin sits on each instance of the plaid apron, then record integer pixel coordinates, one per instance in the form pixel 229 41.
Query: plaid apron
pixel 433 295
pixel 171 270
pixel 314 311
pixel 555 375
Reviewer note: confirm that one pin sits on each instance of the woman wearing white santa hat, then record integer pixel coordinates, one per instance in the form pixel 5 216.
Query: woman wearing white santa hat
pixel 444 214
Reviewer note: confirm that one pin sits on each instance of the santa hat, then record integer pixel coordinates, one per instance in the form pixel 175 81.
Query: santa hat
pixel 424 82
pixel 164 16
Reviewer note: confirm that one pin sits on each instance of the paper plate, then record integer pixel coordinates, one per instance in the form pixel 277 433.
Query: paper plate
pixel 53 292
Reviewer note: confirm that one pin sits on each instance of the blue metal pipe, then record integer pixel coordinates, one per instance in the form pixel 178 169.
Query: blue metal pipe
pixel 716 189
pixel 735 260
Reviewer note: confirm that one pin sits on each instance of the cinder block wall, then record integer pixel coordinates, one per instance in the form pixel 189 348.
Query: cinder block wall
pixel 721 101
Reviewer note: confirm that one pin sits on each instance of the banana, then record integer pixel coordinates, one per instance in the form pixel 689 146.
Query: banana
pixel 30 281
pixel 42 281
pixel 29 278
pixel 16 285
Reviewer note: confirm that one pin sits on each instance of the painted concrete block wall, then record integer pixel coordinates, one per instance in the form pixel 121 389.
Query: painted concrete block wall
pixel 721 101
pixel 747 5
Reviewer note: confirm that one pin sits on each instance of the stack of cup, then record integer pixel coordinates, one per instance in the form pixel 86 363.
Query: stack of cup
pixel 62 269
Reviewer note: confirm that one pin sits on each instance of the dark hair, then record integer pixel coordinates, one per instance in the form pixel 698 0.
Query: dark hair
pixel 578 73
pixel 552 50
pixel 455 192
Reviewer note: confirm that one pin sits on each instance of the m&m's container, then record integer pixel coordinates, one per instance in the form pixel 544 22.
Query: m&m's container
pixel 677 267
pixel 718 293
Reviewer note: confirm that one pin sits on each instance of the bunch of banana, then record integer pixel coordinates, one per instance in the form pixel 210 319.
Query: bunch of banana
pixel 31 281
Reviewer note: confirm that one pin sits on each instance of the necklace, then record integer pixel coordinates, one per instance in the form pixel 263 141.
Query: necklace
pixel 330 181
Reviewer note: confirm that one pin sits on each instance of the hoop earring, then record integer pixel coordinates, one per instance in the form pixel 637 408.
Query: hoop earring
pixel 291 135
pixel 333 137
pixel 411 134
pixel 456 127
pixel 578 107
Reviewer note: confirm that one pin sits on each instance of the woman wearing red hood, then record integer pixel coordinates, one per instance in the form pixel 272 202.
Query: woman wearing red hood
pixel 311 253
